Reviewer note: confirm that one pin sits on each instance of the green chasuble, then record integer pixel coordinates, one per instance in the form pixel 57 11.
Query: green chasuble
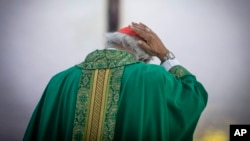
pixel 111 96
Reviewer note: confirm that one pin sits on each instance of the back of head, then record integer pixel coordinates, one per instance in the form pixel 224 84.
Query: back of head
pixel 127 39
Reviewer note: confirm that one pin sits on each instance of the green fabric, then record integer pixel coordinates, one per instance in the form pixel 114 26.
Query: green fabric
pixel 53 117
pixel 153 105
pixel 157 105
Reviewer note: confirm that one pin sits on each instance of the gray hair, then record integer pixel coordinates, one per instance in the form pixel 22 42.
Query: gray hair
pixel 116 38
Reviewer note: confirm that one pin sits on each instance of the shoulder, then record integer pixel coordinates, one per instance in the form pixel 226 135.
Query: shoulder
pixel 146 68
pixel 151 71
pixel 73 71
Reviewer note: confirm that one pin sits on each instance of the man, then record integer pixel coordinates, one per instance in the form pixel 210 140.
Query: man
pixel 115 95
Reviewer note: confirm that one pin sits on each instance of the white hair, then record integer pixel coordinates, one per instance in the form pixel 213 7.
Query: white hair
pixel 126 41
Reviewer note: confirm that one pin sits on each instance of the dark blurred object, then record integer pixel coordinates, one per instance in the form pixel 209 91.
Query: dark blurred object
pixel 113 15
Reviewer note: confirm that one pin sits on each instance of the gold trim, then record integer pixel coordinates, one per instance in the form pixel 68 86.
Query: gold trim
pixel 91 104
pixel 104 94
pixel 97 105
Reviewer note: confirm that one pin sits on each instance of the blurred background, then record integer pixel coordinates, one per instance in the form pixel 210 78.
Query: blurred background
pixel 41 38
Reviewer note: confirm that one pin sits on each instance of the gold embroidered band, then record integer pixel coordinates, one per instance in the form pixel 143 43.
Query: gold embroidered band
pixel 98 95
pixel 97 105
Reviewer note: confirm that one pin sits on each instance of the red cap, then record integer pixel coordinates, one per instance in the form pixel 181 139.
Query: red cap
pixel 129 31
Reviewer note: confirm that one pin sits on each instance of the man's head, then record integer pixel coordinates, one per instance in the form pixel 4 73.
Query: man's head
pixel 125 38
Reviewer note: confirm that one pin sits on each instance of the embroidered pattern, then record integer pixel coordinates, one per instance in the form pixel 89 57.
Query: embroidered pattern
pixel 81 113
pixel 97 105
pixel 98 95
pixel 179 71
pixel 101 59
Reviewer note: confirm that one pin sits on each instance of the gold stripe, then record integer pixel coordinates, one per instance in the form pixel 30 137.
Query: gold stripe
pixel 98 105
pixel 91 105
pixel 103 106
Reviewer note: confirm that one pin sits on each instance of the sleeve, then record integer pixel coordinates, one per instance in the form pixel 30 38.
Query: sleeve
pixel 168 64
pixel 186 100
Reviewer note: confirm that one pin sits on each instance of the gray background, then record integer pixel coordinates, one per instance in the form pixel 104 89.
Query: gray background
pixel 210 38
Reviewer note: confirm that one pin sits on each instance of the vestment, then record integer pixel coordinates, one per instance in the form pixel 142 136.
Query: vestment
pixel 129 100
